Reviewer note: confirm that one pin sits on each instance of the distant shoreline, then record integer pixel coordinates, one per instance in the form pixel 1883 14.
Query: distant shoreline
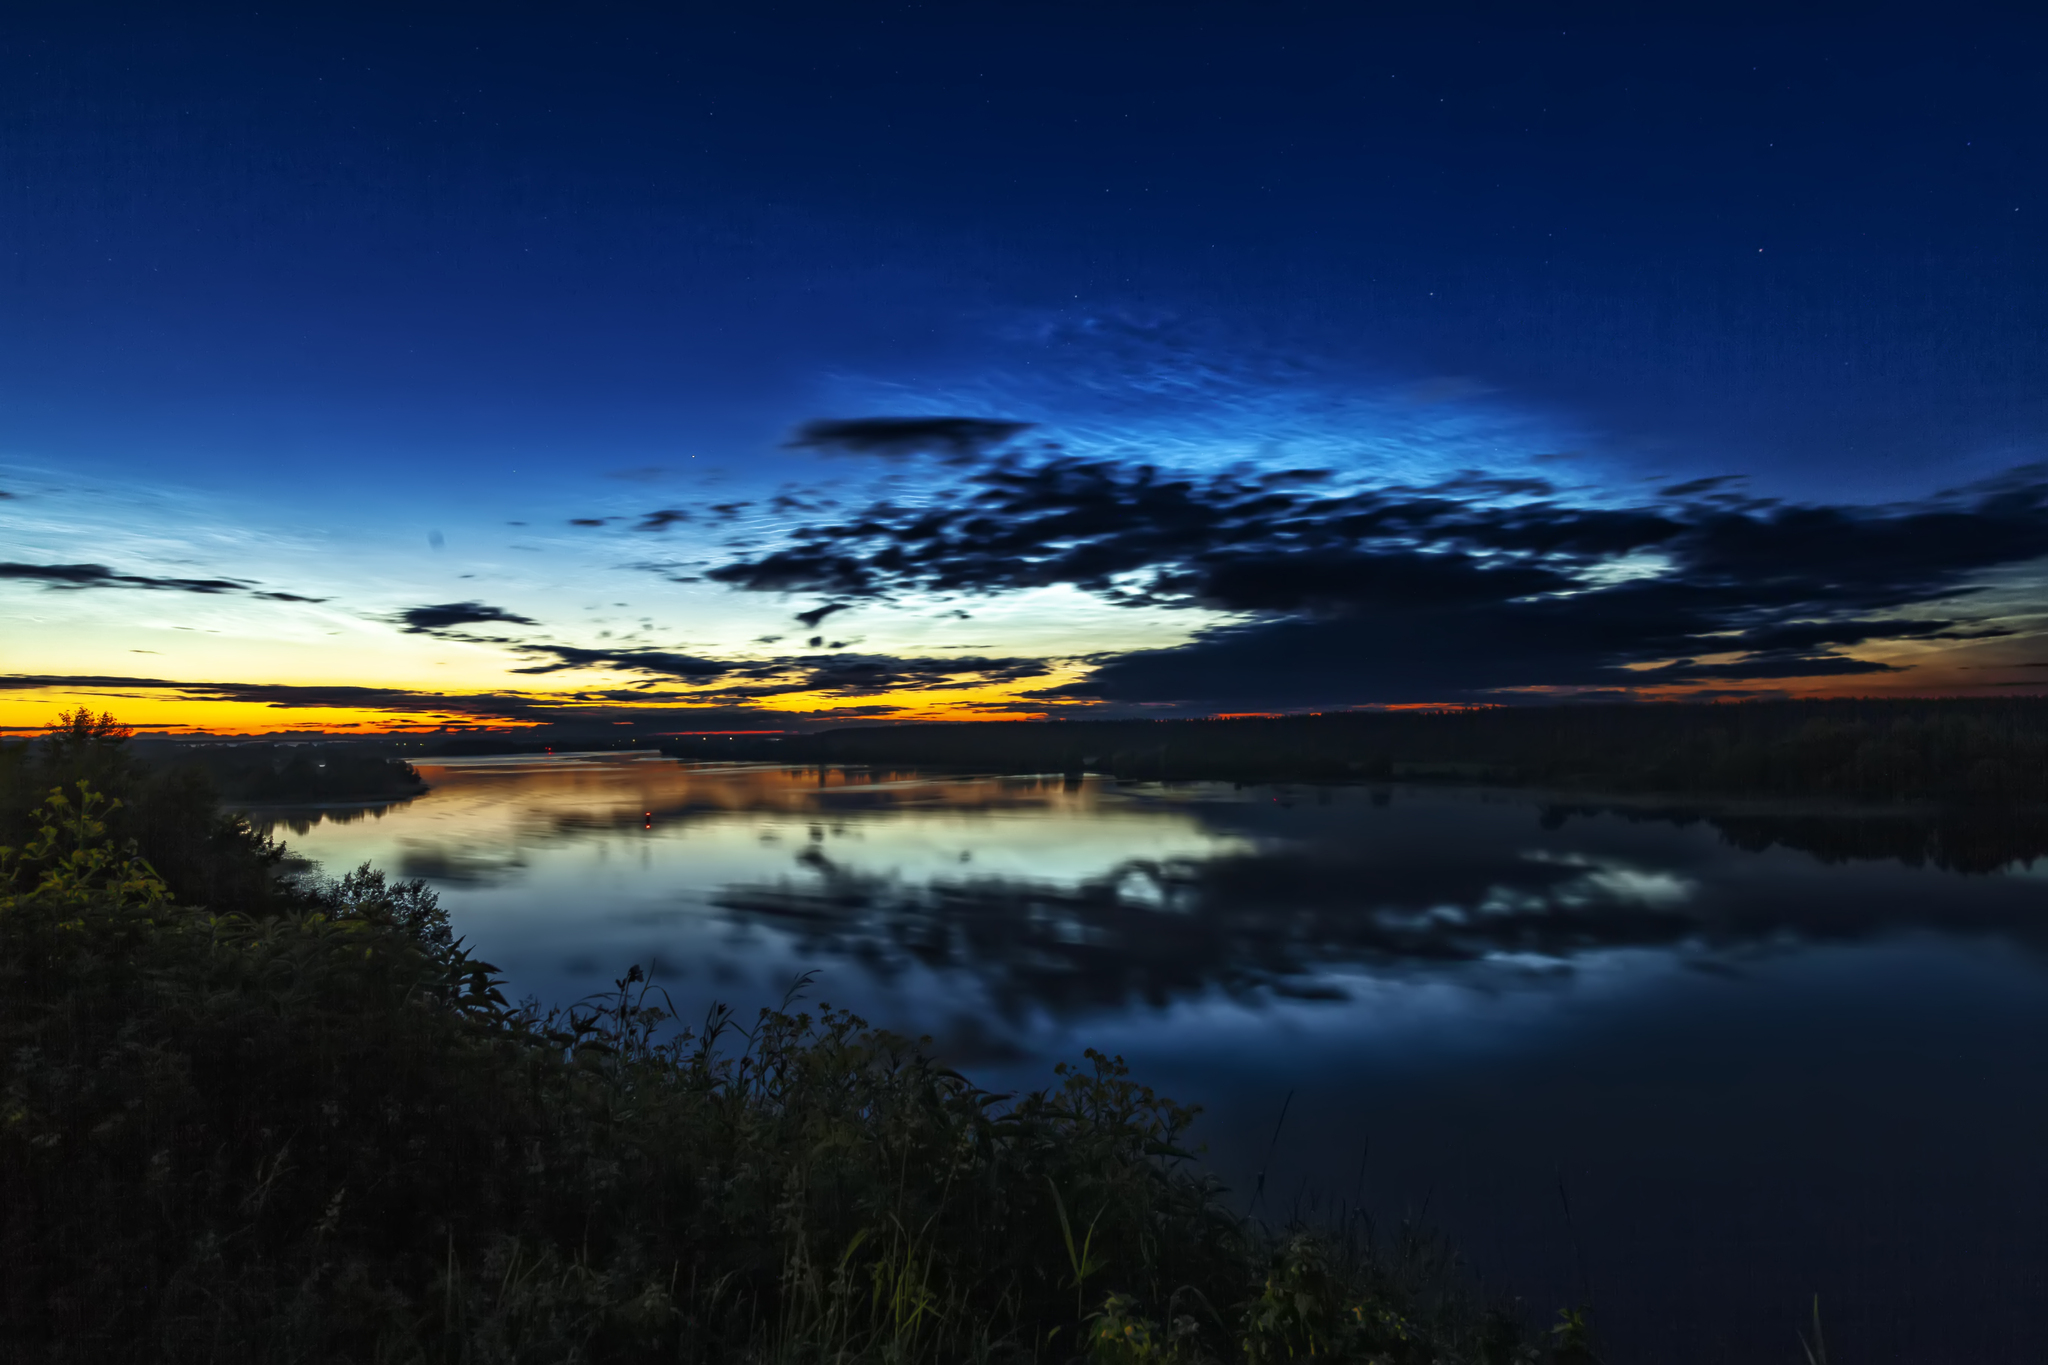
pixel 1884 752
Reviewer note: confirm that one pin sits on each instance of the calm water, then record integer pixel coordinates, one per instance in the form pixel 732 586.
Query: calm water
pixel 1751 1076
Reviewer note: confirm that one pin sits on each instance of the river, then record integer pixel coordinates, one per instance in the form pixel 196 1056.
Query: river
pixel 1694 1067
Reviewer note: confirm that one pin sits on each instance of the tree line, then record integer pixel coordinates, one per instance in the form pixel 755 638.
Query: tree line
pixel 1989 750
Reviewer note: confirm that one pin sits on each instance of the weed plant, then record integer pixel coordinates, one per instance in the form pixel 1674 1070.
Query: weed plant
pixel 322 1134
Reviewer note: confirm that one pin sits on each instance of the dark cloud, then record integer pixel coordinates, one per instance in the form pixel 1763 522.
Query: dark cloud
pixel 740 680
pixel 662 520
pixel 857 674
pixel 67 575
pixel 812 617
pixel 661 662
pixel 1756 667
pixel 588 521
pixel 1319 582
pixel 1694 488
pixel 446 615
pixel 1457 589
pixel 809 569
pixel 951 438
pixel 70 576
pixel 297 696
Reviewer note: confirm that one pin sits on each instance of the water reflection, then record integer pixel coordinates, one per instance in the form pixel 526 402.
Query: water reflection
pixel 485 818
pixel 1298 900
pixel 302 819
pixel 1957 839
pixel 1068 892
pixel 1246 923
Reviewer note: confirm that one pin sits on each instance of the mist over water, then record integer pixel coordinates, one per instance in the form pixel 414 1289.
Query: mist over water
pixel 1697 1069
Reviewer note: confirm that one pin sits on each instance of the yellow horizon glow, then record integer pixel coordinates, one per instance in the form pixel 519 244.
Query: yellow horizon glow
pixel 164 711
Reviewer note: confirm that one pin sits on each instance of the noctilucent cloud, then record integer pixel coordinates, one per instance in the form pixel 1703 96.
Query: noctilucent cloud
pixel 754 367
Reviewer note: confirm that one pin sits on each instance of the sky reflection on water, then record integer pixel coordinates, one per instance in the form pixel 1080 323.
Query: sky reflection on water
pixel 1757 1073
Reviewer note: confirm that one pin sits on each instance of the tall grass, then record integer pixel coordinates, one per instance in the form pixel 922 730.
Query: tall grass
pixel 324 1135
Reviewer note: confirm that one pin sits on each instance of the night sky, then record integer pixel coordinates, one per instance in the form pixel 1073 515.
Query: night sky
pixel 772 365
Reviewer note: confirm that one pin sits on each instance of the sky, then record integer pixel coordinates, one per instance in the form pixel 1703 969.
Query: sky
pixel 695 367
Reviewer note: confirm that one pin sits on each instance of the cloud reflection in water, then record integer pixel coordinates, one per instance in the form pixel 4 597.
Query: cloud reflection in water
pixel 1054 897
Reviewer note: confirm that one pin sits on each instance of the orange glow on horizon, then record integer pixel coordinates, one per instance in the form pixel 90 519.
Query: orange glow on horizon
pixel 166 712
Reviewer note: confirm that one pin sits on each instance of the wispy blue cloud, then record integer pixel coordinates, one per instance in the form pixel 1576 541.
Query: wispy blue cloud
pixel 1163 388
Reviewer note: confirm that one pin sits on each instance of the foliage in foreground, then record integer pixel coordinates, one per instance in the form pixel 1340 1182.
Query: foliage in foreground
pixel 322 1134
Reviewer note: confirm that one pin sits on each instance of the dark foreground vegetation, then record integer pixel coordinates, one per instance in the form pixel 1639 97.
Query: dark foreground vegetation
pixel 1941 750
pixel 297 1121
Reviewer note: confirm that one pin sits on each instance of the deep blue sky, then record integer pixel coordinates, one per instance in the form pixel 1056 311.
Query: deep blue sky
pixel 381 259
